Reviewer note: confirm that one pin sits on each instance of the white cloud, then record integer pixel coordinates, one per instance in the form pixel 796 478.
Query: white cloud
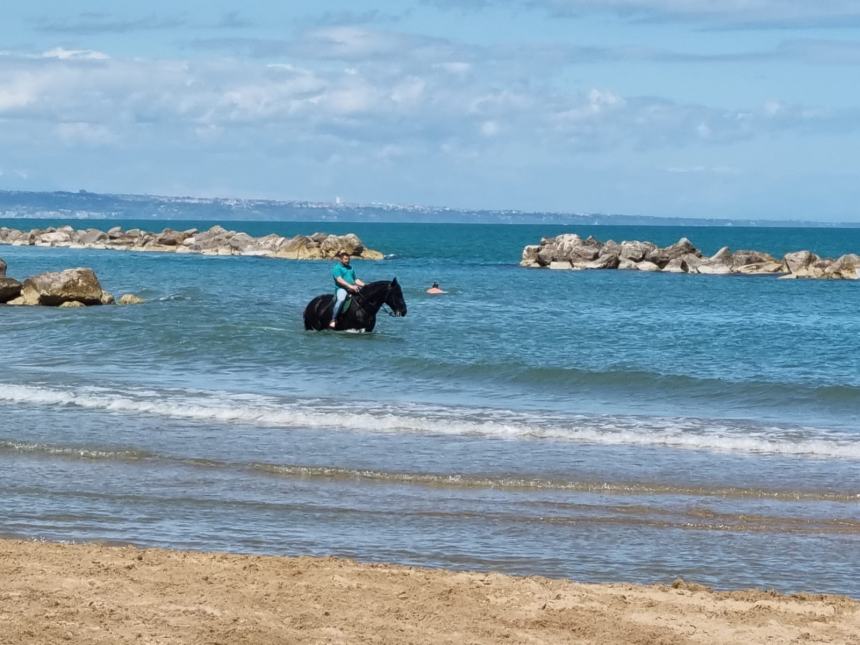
pixel 437 99
pixel 715 13
pixel 88 134
pixel 74 54
pixel 703 170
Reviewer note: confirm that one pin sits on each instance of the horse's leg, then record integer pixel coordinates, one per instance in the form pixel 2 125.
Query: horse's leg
pixel 325 310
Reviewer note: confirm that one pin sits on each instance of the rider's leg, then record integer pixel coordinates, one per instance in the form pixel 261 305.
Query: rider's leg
pixel 339 298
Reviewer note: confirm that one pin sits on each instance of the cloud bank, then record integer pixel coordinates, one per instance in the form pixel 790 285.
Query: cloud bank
pixel 743 14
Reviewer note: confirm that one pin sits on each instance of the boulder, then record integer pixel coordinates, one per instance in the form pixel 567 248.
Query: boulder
pixel 846 267
pixel 2 267
pixel 677 265
pixel 242 244
pixel 55 288
pixel 54 238
pixel 816 270
pixel 626 265
pixel 645 265
pixel 636 251
pixel 798 260
pixel 130 299
pixel 92 236
pixel 662 257
pixel 759 268
pixel 692 262
pixel 530 256
pixel 603 261
pixel 169 237
pixel 300 247
pixel 332 245
pixel 560 265
pixel 9 289
pixel 718 264
pixel 547 254
pixel 745 258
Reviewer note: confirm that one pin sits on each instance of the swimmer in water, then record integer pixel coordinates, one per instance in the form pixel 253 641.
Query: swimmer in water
pixel 434 289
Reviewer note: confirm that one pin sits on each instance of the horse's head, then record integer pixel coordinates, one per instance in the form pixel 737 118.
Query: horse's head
pixel 394 299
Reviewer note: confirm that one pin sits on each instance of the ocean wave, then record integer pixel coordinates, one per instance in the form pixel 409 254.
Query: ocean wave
pixel 514 483
pixel 88 453
pixel 606 430
pixel 634 381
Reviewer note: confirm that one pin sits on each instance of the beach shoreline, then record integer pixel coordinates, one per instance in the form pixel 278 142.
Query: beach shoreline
pixel 95 593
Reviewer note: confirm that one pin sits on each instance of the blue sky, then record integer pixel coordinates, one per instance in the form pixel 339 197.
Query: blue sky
pixel 693 108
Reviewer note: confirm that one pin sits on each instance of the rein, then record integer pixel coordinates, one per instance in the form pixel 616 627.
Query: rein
pixel 360 300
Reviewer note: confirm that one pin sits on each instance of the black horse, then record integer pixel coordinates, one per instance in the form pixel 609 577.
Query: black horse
pixel 361 314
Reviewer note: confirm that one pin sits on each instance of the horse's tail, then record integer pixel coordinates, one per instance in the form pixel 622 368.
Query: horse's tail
pixel 315 313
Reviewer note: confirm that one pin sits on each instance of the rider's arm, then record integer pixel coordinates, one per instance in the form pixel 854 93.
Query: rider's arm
pixel 360 283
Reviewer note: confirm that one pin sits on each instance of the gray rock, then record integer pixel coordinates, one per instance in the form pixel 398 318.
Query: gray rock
pixel 636 251
pixel 530 256
pixel 626 265
pixel 9 289
pixel 846 267
pixel 759 268
pixel 718 264
pixel 799 260
pixel 603 261
pixel 92 236
pixel 55 288
pixel 676 265
pixel 662 257
pixel 560 265
pixel 746 258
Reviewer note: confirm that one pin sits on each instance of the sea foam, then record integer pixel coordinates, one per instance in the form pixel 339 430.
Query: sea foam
pixel 686 433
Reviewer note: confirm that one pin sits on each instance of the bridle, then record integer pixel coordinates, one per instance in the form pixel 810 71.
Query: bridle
pixel 359 299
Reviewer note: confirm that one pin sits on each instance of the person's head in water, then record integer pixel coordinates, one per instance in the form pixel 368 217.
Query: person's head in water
pixel 435 285
pixel 344 258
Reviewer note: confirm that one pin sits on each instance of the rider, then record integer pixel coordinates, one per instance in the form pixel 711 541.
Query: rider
pixel 344 280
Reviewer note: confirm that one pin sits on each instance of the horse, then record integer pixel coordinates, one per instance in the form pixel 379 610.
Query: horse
pixel 361 313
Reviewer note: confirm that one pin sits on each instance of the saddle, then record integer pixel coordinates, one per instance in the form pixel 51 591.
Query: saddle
pixel 345 307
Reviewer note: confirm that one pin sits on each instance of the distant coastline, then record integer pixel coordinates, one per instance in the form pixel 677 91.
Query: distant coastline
pixel 85 205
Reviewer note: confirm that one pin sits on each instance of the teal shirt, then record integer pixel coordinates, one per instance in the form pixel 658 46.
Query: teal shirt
pixel 340 271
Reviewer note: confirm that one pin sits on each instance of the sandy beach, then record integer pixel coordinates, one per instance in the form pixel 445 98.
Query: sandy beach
pixel 55 593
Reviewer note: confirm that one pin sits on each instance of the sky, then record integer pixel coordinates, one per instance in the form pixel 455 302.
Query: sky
pixel 678 108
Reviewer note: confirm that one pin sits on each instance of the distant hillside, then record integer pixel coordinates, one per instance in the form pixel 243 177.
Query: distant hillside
pixel 86 205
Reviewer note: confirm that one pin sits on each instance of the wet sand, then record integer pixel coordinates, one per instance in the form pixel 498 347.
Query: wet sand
pixel 54 593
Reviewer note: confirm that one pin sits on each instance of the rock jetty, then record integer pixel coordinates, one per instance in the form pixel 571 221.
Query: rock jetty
pixel 216 241
pixel 77 287
pixel 571 252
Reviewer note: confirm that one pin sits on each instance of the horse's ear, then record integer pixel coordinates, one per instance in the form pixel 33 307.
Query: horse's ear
pixel 393 282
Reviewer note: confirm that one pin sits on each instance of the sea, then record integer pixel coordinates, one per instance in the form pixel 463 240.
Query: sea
pixel 600 426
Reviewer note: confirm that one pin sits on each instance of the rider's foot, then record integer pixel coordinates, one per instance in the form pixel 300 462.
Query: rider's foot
pixel 331 325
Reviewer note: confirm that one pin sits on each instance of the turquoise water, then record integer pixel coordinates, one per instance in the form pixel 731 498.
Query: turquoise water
pixel 601 425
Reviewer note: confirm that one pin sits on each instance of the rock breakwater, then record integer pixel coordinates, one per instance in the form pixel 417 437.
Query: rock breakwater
pixel 215 241
pixel 78 287
pixel 570 251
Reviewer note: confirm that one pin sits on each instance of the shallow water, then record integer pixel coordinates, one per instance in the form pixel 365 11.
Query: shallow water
pixel 593 425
